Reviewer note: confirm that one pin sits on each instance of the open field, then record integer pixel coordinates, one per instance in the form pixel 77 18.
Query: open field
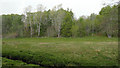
pixel 86 51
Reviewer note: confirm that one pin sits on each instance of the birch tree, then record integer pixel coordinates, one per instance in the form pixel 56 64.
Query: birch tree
pixel 28 15
pixel 59 19
pixel 52 16
pixel 40 9
pixel 92 18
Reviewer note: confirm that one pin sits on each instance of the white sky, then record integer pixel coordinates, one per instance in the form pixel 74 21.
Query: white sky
pixel 79 7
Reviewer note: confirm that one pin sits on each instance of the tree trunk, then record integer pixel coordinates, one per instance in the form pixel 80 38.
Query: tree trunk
pixel 58 34
pixel 39 30
pixel 31 29
pixel 59 31
pixel 30 25
pixel 48 31
pixel 108 35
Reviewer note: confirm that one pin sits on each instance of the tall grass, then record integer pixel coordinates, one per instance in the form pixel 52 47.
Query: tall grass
pixel 86 51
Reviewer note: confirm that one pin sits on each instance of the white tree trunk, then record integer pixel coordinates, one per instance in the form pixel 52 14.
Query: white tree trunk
pixel 109 36
pixel 39 30
pixel 59 27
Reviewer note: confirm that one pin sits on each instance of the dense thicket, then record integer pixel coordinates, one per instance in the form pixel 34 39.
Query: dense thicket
pixel 60 23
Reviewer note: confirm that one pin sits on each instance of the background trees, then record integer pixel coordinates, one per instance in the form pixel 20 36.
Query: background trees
pixel 67 24
pixel 59 22
pixel 12 26
pixel 109 20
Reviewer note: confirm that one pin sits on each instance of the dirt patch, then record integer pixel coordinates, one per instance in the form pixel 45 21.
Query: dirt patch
pixel 43 43
pixel 88 42
pixel 101 43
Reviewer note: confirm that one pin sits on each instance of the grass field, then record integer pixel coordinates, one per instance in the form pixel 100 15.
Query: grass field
pixel 86 51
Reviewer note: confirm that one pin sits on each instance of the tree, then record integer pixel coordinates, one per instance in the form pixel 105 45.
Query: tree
pixel 40 9
pixel 12 26
pixel 109 22
pixel 60 23
pixel 59 18
pixel 92 19
pixel 67 24
pixel 52 17
pixel 29 17
pixel 75 29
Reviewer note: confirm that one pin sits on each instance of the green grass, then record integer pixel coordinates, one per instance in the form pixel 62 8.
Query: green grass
pixel 86 51
pixel 9 62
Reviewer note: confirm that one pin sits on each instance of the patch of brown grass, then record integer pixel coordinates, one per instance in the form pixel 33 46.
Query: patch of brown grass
pixel 44 43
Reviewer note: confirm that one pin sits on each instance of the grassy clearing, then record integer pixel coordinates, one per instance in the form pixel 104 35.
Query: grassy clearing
pixel 9 62
pixel 87 51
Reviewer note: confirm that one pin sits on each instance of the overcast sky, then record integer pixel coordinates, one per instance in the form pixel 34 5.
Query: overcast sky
pixel 79 7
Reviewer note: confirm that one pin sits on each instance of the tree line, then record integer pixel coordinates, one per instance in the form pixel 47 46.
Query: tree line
pixel 58 22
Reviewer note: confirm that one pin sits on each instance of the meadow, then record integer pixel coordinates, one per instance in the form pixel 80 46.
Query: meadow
pixel 86 51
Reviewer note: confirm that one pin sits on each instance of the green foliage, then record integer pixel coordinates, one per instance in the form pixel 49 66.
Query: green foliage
pixel 61 23
pixel 12 24
pixel 109 25
pixel 67 24
pixel 75 29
